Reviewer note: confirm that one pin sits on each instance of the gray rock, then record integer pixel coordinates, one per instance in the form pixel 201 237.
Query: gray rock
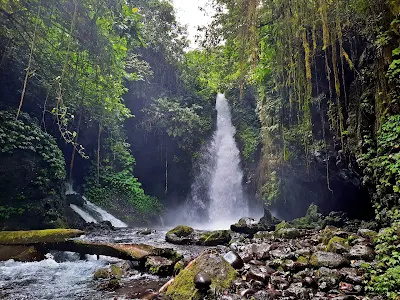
pixel 234 260
pixel 328 259
pixel 297 290
pixel 363 252
pixel 288 233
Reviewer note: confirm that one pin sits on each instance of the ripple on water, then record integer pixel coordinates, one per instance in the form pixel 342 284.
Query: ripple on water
pixel 48 279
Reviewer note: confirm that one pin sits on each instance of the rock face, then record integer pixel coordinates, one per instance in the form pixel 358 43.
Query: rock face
pixel 214 265
pixel 32 172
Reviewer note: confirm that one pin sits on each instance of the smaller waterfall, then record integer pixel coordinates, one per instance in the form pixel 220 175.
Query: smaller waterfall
pixel 105 216
pixel 83 214
pixel 91 212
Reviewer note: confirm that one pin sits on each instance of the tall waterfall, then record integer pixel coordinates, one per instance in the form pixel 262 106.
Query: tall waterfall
pixel 217 190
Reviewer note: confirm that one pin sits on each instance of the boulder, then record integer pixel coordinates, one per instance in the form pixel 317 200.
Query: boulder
pixel 268 221
pixel 328 259
pixel 20 253
pixel 234 260
pixel 202 281
pixel 363 252
pixel 288 233
pixel 214 265
pixel 246 226
pixel 337 245
pixel 180 235
pixel 101 226
pixel 214 238
pixel 158 265
pixel 75 199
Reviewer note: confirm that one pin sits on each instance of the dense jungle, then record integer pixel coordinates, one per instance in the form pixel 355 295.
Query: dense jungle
pixel 258 159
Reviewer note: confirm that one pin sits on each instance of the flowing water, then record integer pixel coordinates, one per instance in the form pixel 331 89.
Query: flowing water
pixel 63 276
pixel 217 198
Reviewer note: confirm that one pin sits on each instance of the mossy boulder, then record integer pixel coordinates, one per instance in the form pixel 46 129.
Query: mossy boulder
pixel 338 245
pixel 312 220
pixel 212 264
pixel 101 273
pixel 368 234
pixel 158 265
pixel 180 235
pixel 283 225
pixel 37 236
pixel 288 233
pixel 214 238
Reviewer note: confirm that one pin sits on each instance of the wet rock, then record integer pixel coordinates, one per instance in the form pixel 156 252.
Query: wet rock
pixel 288 233
pixel 247 226
pixel 310 282
pixel 270 294
pixel 297 290
pixel 257 273
pixel 75 199
pixel 180 235
pixel 214 265
pixel 202 281
pixel 101 273
pixel 110 285
pixel 214 238
pixel 268 220
pixel 282 253
pixel 20 253
pixel 101 226
pixel 247 292
pixel 367 234
pixel 351 275
pixel 326 272
pixel 146 231
pixel 279 282
pixel 234 260
pixel 265 235
pixel 346 288
pixel 261 251
pixel 337 245
pixel 157 265
pixel 328 259
pixel 363 252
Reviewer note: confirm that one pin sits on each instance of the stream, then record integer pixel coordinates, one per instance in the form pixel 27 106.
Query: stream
pixel 63 275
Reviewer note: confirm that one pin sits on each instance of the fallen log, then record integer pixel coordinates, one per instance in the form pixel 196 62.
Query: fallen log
pixel 38 236
pixel 133 252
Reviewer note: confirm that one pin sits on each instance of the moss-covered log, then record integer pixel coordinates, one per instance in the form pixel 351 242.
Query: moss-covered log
pixel 37 236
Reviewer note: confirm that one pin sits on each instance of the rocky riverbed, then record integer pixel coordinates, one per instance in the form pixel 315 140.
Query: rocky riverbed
pixel 254 260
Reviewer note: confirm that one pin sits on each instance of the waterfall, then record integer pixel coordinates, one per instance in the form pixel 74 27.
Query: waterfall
pixel 104 215
pixel 217 190
pixel 91 212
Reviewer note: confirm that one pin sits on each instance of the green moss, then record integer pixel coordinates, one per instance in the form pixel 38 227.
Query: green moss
pixel 219 270
pixel 331 247
pixel 302 260
pixel 181 231
pixel 37 236
pixel 101 273
pixel 314 261
pixel 116 271
pixel 327 234
pixel 288 233
pixel 214 238
pixel 282 225
pixel 179 266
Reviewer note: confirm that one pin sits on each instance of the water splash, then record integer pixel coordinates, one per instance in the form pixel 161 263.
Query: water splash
pixel 217 190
